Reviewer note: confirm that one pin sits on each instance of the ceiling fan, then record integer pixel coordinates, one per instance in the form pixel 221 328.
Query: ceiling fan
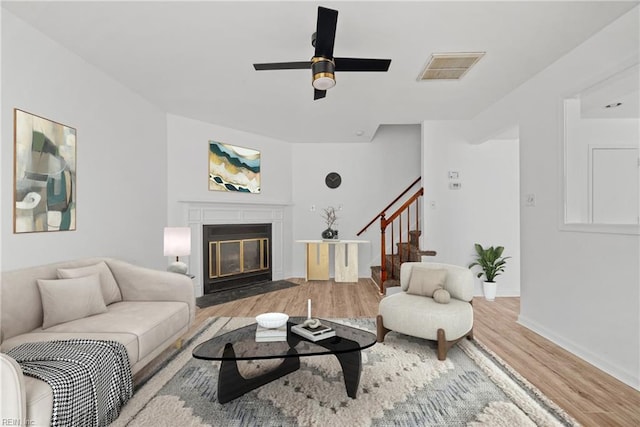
pixel 323 65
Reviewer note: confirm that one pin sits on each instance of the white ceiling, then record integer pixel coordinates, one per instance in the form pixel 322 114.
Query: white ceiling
pixel 195 58
pixel 622 88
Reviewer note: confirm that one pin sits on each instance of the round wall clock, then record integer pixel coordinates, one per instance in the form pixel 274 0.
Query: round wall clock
pixel 333 180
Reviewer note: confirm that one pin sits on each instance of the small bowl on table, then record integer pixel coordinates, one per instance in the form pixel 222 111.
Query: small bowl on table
pixel 272 320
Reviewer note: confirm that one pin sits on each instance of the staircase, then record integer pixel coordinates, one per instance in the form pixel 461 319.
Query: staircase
pixel 407 245
pixel 409 251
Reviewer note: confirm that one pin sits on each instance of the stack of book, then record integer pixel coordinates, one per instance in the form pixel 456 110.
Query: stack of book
pixel 314 334
pixel 271 334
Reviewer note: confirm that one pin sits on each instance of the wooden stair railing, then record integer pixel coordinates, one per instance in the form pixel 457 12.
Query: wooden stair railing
pixel 398 216
pixel 386 222
pixel 384 211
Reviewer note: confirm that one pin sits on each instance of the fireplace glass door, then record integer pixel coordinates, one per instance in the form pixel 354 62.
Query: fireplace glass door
pixel 231 257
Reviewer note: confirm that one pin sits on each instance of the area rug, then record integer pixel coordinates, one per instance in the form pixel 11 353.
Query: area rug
pixel 221 297
pixel 402 384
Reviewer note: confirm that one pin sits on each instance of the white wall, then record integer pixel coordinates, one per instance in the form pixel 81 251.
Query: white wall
pixel 484 210
pixel 580 135
pixel 121 159
pixel 188 152
pixel 579 289
pixel 373 174
pixel 188 173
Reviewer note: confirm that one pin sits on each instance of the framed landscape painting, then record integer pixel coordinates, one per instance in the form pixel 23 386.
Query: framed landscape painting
pixel 44 194
pixel 233 168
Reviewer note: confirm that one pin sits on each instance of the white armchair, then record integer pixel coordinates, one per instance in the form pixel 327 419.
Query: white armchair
pixel 421 316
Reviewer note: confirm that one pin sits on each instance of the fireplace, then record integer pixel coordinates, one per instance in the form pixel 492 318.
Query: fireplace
pixel 235 255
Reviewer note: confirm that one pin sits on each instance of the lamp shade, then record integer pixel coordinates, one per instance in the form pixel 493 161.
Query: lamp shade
pixel 177 241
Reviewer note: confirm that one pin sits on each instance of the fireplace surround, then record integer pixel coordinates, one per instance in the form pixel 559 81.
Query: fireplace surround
pixel 196 214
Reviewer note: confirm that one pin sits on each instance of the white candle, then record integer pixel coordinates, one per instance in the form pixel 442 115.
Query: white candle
pixel 309 308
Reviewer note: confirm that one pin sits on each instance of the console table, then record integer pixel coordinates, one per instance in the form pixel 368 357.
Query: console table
pixel 345 259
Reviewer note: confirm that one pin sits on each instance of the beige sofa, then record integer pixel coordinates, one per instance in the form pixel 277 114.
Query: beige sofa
pixel 145 310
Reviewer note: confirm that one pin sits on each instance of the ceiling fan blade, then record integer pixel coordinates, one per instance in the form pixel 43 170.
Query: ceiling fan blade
pixel 301 65
pixel 317 94
pixel 361 64
pixel 326 32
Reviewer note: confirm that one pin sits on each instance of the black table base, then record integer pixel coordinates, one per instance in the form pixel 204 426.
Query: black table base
pixel 351 369
pixel 231 384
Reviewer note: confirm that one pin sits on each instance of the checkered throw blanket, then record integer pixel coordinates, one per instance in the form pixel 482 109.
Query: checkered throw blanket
pixel 91 379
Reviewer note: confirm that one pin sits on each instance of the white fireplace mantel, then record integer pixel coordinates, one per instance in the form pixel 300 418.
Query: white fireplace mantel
pixel 199 213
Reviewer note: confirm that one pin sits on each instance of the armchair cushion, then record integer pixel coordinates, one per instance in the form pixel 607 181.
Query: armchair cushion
pixel 459 281
pixel 425 281
pixel 64 300
pixel 421 317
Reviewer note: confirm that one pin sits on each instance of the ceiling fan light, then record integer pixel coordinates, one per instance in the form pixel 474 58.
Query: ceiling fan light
pixel 322 72
pixel 323 81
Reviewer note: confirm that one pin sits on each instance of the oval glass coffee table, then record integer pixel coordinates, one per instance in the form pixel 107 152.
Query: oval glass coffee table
pixel 240 344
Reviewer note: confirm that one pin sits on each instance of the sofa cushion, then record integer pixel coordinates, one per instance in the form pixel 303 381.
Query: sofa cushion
pixel 152 322
pixel 425 281
pixel 64 300
pixel 108 285
pixel 20 305
pixel 129 340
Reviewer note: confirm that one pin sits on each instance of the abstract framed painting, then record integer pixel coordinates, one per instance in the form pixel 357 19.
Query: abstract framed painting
pixel 44 191
pixel 233 168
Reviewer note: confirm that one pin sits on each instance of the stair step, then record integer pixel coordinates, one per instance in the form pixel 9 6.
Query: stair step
pixel 427 253
pixel 390 283
pixel 375 274
pixel 410 252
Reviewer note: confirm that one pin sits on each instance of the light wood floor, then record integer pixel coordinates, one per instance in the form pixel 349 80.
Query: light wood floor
pixel 591 396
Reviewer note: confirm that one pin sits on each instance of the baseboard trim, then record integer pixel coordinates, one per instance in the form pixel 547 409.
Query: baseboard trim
pixel 502 291
pixel 500 294
pixel 620 374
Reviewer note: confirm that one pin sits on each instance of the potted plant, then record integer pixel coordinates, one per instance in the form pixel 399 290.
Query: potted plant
pixel 492 264
pixel 330 217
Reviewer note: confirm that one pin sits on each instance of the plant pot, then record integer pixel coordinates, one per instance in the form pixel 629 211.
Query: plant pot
pixel 489 289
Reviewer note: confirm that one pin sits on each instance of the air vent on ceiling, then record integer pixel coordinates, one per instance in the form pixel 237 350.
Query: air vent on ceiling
pixel 449 66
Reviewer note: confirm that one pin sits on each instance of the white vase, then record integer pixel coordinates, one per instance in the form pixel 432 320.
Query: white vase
pixel 489 289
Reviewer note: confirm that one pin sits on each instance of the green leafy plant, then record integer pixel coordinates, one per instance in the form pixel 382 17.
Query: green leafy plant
pixel 490 260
